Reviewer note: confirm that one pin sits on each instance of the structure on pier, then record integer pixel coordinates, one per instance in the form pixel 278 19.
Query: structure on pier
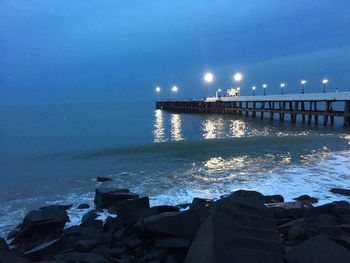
pixel 309 106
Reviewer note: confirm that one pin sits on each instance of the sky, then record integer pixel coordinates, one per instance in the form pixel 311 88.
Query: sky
pixel 63 51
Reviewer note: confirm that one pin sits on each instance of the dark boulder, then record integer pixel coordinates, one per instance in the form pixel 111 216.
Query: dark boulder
pixel 103 179
pixel 8 257
pixel 341 191
pixel 81 257
pixel 318 249
pixel 83 206
pixel 202 206
pixel 112 224
pixel 273 199
pixel 155 210
pixel 46 222
pixel 240 228
pixel 44 250
pixel 182 224
pixel 132 209
pixel 106 197
pixel 172 242
pixel 337 208
pixel 3 244
pixel 85 245
pixel 306 199
pixel 133 241
pixel 89 219
pixel 154 256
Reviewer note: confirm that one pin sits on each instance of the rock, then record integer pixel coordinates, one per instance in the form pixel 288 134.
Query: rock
pixel 106 197
pixel 306 199
pixel 8 257
pixel 338 208
pixel 172 242
pixel 318 249
pixel 131 210
pixel 117 252
pixel 182 224
pixel 273 199
pixel 81 257
pixel 340 191
pixel 133 241
pixel 184 206
pixel 44 250
pixel 45 222
pixel 103 179
pixel 155 210
pixel 201 206
pixel 240 228
pixel 3 244
pixel 83 206
pixel 112 224
pixel 154 255
pixel 89 219
pixel 85 245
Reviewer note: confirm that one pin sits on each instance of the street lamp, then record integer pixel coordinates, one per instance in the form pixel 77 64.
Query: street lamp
pixel 174 89
pixel 264 87
pixel 158 89
pixel 303 82
pixel 282 88
pixel 324 81
pixel 238 77
pixel 218 93
pixel 208 78
pixel 253 88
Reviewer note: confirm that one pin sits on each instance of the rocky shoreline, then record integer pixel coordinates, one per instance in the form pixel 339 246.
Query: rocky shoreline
pixel 244 226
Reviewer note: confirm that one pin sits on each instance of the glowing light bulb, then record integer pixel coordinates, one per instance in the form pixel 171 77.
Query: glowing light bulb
pixel 208 77
pixel 157 89
pixel 174 89
pixel 238 77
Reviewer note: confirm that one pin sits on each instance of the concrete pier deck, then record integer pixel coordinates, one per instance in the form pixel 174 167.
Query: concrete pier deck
pixel 308 106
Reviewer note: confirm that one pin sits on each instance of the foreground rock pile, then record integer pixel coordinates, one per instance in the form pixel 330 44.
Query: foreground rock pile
pixel 244 226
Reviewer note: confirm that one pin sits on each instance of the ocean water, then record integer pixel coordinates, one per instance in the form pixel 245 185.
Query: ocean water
pixel 53 153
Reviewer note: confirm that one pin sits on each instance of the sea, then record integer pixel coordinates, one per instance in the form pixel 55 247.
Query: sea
pixel 52 154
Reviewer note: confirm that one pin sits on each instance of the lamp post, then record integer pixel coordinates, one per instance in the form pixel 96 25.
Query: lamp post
pixel 218 93
pixel 264 87
pixel 253 88
pixel 324 81
pixel 174 89
pixel 303 82
pixel 157 89
pixel 282 88
pixel 208 78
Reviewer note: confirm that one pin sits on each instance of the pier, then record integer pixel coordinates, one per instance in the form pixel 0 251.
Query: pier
pixel 309 108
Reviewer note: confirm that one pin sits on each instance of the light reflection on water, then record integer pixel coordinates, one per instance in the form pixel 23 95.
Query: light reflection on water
pixel 158 132
pixel 176 131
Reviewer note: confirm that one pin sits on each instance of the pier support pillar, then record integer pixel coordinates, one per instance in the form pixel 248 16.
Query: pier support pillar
pixel 346 123
pixel 326 111
pixel 254 110
pixel 262 110
pixel 316 113
pixel 272 108
pixel 303 110
pixel 246 109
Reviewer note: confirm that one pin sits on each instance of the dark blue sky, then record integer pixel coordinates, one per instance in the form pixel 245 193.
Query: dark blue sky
pixel 61 51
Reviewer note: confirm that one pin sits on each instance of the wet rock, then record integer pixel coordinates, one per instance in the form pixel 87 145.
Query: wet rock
pixel 202 206
pixel 133 241
pixel 81 257
pixel 117 252
pixel 131 210
pixel 103 179
pixel 184 206
pixel 85 245
pixel 89 219
pixel 155 210
pixel 240 228
pixel 318 249
pixel 112 224
pixel 273 199
pixel 83 206
pixel 306 199
pixel 172 242
pixel 154 255
pixel 182 224
pixel 3 244
pixel 106 197
pixel 338 208
pixel 44 250
pixel 45 222
pixel 341 191
pixel 8 257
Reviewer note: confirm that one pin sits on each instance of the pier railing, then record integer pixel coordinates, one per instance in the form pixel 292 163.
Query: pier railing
pixel 309 106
